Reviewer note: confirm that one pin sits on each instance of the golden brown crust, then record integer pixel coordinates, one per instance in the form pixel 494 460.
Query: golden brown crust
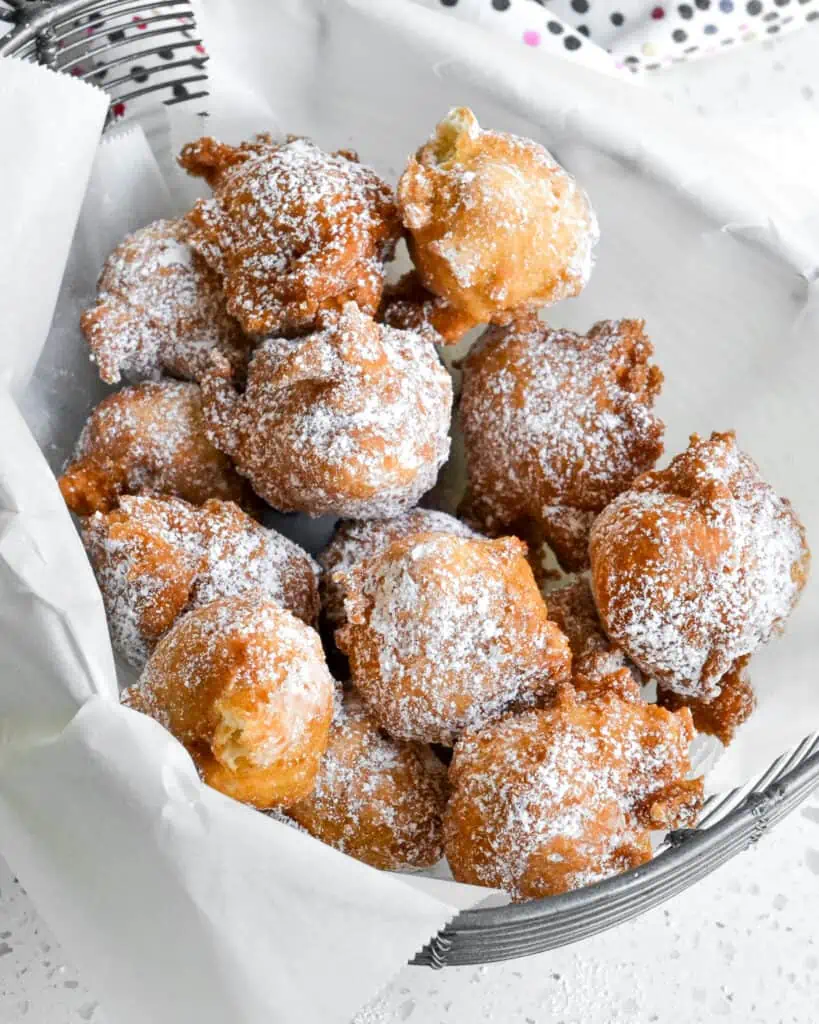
pixel 354 541
pixel 209 159
pixel 722 716
pixel 495 225
pixel 148 439
pixel 160 308
pixel 407 304
pixel 697 565
pixel 558 798
pixel 556 425
pixel 352 420
pixel 594 656
pixel 242 683
pixel 155 558
pixel 291 230
pixel 377 799
pixel 446 632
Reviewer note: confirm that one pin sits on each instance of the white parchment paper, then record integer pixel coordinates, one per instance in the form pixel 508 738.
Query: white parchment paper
pixel 181 904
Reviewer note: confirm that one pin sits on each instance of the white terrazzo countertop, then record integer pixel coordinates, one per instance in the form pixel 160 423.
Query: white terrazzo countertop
pixel 743 945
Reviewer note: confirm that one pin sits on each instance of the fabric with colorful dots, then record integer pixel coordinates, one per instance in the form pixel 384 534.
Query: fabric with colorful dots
pixel 618 35
pixel 610 35
pixel 183 53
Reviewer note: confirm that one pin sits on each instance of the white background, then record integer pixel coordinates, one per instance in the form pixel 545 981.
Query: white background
pixel 743 945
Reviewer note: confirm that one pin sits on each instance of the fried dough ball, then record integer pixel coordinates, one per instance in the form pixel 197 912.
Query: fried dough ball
pixel 445 633
pixel 155 558
pixel 291 230
pixel 354 541
pixel 558 798
pixel 697 565
pixel 556 425
pixel 148 439
pixel 594 656
pixel 377 799
pixel 242 683
pixel 159 308
pixel 352 420
pixel 721 716
pixel 407 304
pixel 495 225
pixel 597 661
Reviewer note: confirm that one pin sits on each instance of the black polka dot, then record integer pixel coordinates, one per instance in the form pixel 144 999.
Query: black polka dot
pixel 571 43
pixel 555 28
pixel 617 18
pixel 632 59
pixel 702 5
pixel 685 11
pixel 449 3
pixel 679 36
pixel 753 7
pixel 95 16
pixel 710 30
pixel 782 3
pixel 584 30
pixel 501 5
pixel 812 16
pixel 180 91
pixel 771 17
pixel 581 6
pixel 117 36
pixel 166 53
pixel 139 73
pixel 771 29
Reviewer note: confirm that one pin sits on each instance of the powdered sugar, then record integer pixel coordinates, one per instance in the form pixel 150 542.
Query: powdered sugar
pixel 292 229
pixel 697 566
pixel 446 632
pixel 159 308
pixel 242 675
pixel 156 559
pixel 355 541
pixel 378 799
pixel 147 438
pixel 553 800
pixel 352 420
pixel 552 418
pixel 593 654
pixel 497 224
pixel 409 305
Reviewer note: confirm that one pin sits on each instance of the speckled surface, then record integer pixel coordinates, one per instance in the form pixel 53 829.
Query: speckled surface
pixel 741 946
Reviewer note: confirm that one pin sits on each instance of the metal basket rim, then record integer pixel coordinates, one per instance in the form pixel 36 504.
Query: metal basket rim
pixel 758 811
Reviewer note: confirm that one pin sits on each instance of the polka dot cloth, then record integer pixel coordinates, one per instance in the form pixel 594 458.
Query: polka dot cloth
pixel 633 35
pixel 148 64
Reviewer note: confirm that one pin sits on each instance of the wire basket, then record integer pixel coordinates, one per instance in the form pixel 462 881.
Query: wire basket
pixel 103 41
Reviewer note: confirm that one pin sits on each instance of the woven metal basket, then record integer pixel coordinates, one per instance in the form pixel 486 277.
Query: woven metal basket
pixel 104 41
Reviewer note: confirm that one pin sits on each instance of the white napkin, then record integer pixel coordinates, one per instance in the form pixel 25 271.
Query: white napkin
pixel 181 904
